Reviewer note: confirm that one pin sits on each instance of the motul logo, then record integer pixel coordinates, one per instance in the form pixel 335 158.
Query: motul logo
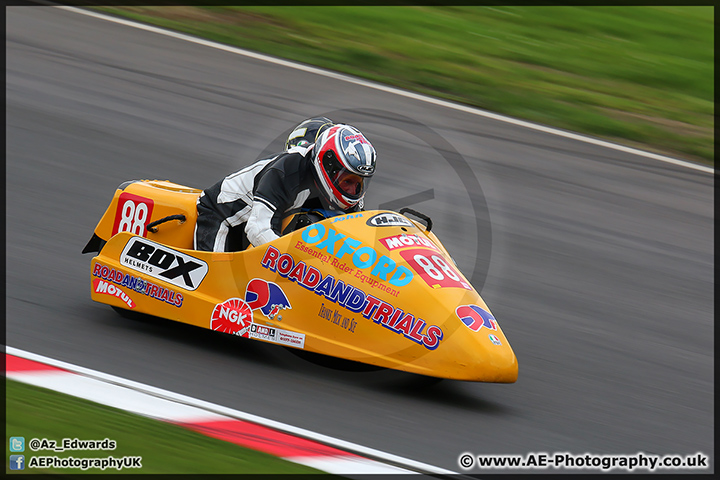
pixel 164 263
pixel 108 288
pixel 404 241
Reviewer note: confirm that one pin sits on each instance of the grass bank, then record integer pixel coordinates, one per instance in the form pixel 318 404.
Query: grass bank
pixel 640 75
pixel 33 412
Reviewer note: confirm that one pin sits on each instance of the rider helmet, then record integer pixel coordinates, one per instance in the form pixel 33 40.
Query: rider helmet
pixel 307 132
pixel 344 162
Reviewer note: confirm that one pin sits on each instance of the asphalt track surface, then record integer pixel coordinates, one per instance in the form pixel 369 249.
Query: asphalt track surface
pixel 597 264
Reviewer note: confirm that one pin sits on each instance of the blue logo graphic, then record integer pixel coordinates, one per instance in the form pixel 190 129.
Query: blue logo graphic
pixel 17 444
pixel 17 462
pixel 267 296
pixel 475 317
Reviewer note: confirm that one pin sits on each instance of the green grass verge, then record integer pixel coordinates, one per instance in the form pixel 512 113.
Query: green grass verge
pixel 640 75
pixel 34 412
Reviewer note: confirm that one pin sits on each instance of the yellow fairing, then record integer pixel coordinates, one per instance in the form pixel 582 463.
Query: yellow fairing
pixel 372 287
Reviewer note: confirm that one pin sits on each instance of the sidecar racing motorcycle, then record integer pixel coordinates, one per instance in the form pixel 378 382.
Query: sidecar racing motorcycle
pixel 375 287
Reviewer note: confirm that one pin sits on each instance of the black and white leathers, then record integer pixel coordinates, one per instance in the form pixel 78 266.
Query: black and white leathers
pixel 249 205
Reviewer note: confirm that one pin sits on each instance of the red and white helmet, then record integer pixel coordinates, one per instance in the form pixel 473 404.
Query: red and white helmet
pixel 344 162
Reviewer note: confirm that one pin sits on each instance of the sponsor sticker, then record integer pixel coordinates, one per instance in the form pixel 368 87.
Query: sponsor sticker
pixel 340 218
pixel 267 296
pixel 389 220
pixel 358 137
pixel 336 317
pixel 349 250
pixel 262 332
pixel 233 316
pixel 475 317
pixel 107 288
pixel 277 335
pixel 495 340
pixel 292 339
pixel 352 298
pixel 405 241
pixel 163 263
pixel 136 284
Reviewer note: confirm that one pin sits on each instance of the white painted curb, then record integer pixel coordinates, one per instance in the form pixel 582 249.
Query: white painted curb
pixel 341 457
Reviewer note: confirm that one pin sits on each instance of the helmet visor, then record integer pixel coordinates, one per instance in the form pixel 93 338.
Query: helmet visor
pixel 350 184
pixel 345 182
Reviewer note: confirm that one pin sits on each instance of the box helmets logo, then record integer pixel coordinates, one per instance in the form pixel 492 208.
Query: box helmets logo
pixel 164 263
pixel 475 317
pixel 233 316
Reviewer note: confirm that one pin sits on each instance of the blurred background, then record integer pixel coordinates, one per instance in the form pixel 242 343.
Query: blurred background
pixel 640 75
pixel 597 263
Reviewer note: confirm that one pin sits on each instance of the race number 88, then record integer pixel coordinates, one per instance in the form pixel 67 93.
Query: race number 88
pixel 133 214
pixel 434 269
pixel 133 218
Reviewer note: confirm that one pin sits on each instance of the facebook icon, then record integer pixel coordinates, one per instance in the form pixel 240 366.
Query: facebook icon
pixel 17 462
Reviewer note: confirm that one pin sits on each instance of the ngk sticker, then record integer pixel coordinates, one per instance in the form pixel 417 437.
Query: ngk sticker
pixel 233 316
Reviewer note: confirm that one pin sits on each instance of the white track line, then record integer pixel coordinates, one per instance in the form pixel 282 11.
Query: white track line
pixel 396 91
pixel 163 404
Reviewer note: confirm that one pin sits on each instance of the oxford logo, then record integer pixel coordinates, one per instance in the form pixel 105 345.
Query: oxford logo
pixel 163 263
pixel 388 220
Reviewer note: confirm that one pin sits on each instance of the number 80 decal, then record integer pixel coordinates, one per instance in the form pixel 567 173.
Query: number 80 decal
pixel 133 214
pixel 434 268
